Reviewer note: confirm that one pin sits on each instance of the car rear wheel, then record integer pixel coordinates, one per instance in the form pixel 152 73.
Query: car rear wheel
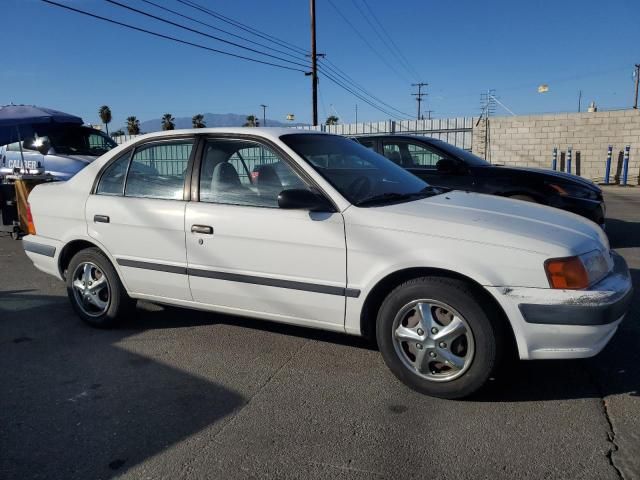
pixel 95 290
pixel 436 338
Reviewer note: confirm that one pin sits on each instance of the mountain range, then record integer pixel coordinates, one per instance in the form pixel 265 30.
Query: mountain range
pixel 211 120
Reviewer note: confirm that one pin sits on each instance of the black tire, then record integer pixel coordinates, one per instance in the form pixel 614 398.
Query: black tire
pixel 487 337
pixel 119 304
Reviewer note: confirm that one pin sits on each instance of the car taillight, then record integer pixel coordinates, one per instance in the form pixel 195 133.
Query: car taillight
pixel 569 273
pixel 31 227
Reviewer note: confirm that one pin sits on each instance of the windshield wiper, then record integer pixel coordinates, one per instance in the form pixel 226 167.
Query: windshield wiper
pixel 397 197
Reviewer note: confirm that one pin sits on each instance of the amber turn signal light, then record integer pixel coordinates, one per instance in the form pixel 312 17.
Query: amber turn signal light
pixel 566 273
pixel 31 227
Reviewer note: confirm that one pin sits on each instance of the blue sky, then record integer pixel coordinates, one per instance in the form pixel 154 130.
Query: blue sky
pixel 60 59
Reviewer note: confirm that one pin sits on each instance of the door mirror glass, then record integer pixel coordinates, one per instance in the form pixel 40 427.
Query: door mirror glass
pixel 447 166
pixel 301 199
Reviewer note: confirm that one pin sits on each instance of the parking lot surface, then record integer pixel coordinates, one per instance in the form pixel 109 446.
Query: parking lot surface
pixel 181 394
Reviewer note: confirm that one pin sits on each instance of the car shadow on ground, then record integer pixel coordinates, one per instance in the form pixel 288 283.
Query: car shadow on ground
pixel 72 394
pixel 622 233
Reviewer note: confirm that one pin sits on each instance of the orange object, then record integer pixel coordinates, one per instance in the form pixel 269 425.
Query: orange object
pixel 566 273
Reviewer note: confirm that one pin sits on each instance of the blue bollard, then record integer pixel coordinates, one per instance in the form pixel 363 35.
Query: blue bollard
pixel 554 161
pixel 569 160
pixel 625 165
pixel 607 168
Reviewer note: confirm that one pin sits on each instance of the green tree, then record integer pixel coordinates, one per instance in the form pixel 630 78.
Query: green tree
pixel 252 121
pixel 133 126
pixel 117 133
pixel 332 120
pixel 105 116
pixel 198 121
pixel 168 122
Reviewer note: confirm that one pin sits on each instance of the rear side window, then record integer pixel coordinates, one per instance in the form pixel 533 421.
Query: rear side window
pixel 158 170
pixel 112 180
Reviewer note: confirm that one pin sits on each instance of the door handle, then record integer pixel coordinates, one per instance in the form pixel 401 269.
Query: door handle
pixel 204 229
pixel 101 218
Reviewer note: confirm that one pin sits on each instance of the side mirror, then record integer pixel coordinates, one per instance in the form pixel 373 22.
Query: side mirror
pixel 301 199
pixel 447 166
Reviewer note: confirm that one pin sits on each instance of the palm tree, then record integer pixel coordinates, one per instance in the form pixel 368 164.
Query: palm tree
pixel 133 126
pixel 117 133
pixel 105 116
pixel 168 122
pixel 332 120
pixel 252 121
pixel 198 121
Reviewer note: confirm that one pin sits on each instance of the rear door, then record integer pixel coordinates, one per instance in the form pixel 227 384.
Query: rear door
pixel 245 255
pixel 137 213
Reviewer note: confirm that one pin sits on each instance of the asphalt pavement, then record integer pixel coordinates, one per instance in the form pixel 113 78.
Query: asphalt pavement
pixel 182 394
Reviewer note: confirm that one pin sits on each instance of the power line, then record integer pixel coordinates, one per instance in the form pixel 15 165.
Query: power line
pixel 168 37
pixel 384 30
pixel 193 30
pixel 242 26
pixel 358 95
pixel 346 78
pixel 367 43
pixel 174 12
pixel 384 42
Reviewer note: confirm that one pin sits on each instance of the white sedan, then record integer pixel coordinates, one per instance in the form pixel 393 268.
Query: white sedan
pixel 316 230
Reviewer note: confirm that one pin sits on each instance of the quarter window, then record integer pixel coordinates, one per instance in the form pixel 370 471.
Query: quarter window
pixel 239 172
pixel 158 170
pixel 112 180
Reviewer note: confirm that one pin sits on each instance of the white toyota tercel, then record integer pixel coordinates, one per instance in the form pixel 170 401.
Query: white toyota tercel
pixel 316 230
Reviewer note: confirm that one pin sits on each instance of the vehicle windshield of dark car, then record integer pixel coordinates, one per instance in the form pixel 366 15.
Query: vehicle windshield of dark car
pixel 362 176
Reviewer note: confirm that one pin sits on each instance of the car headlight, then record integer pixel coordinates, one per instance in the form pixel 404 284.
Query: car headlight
pixel 574 191
pixel 577 272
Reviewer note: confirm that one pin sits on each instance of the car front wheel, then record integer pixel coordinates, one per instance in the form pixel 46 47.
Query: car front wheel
pixel 95 290
pixel 436 337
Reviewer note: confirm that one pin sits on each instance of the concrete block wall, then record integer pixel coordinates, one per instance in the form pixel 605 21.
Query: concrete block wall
pixel 529 140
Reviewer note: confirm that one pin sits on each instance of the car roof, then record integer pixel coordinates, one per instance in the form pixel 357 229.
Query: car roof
pixel 268 132
pixel 393 135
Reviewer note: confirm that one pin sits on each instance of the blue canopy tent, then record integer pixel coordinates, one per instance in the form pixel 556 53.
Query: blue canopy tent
pixel 17 121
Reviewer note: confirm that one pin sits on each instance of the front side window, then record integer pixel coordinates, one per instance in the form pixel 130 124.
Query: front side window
pixel 363 177
pixel 239 172
pixel 112 180
pixel 158 170
pixel 411 155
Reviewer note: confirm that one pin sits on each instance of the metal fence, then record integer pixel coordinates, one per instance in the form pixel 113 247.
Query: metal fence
pixel 456 131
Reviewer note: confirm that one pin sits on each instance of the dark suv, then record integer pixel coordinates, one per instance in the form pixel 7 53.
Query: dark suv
pixel 443 165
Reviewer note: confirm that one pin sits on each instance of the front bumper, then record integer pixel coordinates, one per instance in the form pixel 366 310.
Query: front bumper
pixel 552 323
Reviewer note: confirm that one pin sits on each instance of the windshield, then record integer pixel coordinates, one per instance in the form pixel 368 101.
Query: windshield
pixel 72 140
pixel 362 176
pixel 468 157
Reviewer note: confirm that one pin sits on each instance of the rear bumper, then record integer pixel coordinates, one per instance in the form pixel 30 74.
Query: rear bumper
pixel 567 323
pixel 44 253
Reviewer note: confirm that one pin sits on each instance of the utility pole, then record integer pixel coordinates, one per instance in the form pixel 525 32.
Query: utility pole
pixel 419 95
pixel 429 112
pixel 314 63
pixel 635 101
pixel 356 113
pixel 264 115
pixel 579 100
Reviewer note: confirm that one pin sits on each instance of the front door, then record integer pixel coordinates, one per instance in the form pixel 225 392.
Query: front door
pixel 245 255
pixel 422 161
pixel 137 213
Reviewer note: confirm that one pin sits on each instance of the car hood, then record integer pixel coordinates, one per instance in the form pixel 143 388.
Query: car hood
pixel 488 219
pixel 565 177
